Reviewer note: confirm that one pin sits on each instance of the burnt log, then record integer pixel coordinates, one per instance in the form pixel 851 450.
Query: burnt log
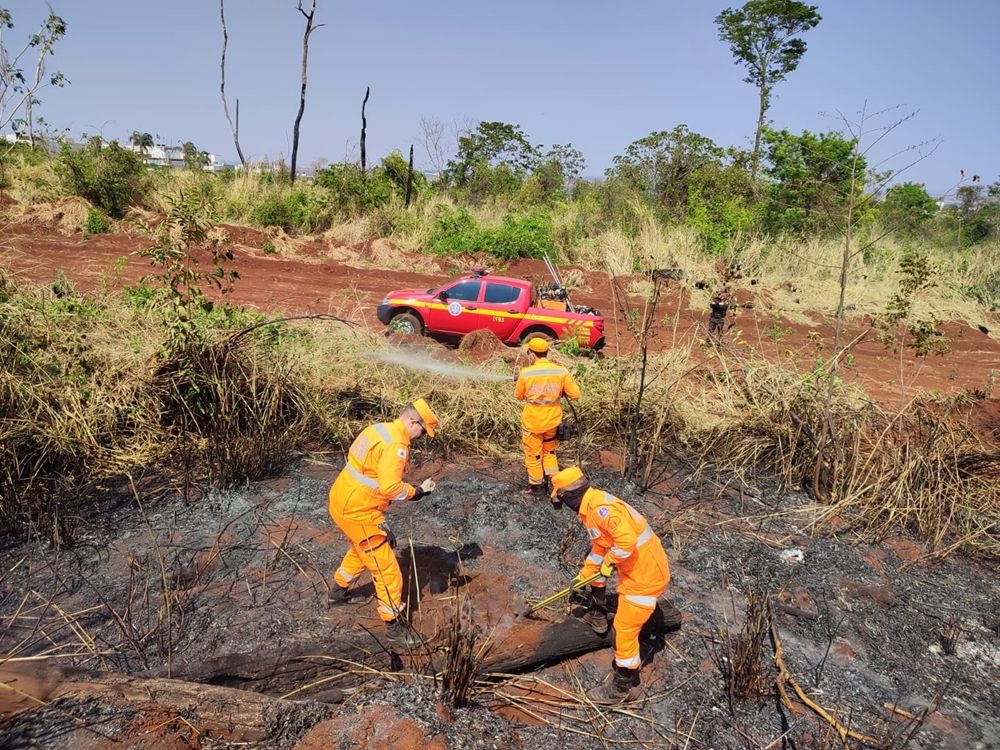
pixel 314 668
pixel 228 713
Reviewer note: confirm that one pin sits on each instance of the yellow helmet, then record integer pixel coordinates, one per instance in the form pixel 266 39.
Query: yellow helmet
pixel 565 478
pixel 538 345
pixel 428 417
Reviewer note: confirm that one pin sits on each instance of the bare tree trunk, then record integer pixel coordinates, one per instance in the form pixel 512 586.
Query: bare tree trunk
pixel 302 95
pixel 364 127
pixel 222 87
pixel 409 179
pixel 755 160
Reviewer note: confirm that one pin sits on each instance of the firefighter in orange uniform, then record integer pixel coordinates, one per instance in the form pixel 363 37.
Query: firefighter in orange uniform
pixel 540 385
pixel 371 480
pixel 620 540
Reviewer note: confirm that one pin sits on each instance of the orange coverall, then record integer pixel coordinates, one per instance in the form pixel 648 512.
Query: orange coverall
pixel 619 534
pixel 540 386
pixel 359 498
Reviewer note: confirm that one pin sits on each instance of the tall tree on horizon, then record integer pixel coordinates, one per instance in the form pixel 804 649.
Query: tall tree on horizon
pixel 235 128
pixel 764 36
pixel 310 28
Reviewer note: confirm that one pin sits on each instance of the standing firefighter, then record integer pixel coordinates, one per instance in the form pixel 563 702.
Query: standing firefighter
pixel 620 540
pixel 359 498
pixel 540 385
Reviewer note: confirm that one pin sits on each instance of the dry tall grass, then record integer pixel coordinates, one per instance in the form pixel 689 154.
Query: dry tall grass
pixel 85 397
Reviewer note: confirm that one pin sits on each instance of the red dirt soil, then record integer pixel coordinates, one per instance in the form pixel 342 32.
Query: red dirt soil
pixel 313 283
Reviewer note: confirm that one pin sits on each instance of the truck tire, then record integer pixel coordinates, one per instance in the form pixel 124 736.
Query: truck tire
pixel 408 323
pixel 542 333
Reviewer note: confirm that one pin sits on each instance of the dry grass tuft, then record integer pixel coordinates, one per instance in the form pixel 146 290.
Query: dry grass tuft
pixel 740 655
pixel 65 215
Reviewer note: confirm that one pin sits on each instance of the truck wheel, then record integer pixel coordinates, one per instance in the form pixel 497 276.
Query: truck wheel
pixel 407 323
pixel 537 333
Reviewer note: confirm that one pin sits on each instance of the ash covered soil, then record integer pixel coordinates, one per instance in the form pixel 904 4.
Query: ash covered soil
pixel 893 642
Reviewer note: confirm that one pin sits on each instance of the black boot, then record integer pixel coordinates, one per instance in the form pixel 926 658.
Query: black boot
pixel 534 490
pixel 617 687
pixel 597 611
pixel 338 595
pixel 399 631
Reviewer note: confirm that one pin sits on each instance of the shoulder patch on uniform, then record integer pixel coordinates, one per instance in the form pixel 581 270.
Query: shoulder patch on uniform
pixel 603 511
pixel 401 452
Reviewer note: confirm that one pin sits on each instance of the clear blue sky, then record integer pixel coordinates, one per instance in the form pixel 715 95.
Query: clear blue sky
pixel 597 74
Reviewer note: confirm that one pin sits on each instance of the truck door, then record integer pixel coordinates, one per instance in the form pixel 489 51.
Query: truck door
pixel 462 313
pixel 503 305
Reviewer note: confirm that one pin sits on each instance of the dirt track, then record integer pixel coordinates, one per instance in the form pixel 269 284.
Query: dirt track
pixel 318 276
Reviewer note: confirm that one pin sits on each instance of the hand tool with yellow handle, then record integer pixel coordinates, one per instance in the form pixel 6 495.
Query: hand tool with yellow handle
pixel 532 608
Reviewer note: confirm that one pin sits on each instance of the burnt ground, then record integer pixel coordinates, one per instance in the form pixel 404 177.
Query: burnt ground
pixel 876 633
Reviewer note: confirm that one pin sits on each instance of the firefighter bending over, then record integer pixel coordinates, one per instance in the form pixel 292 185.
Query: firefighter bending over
pixel 621 540
pixel 540 385
pixel 370 481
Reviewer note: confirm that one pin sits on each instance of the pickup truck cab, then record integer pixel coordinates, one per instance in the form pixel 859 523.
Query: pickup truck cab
pixel 505 305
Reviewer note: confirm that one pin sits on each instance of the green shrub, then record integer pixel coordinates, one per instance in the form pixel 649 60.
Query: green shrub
pixel 301 210
pixel 456 232
pixel 106 175
pixel 96 222
pixel 521 237
pixel 453 232
pixel 352 193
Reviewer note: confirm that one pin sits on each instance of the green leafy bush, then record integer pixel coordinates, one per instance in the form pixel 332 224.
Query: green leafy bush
pixel 299 210
pixel 96 222
pixel 456 232
pixel 105 174
pixel 352 193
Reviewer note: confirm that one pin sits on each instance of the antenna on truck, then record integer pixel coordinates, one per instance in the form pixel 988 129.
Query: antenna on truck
pixel 555 277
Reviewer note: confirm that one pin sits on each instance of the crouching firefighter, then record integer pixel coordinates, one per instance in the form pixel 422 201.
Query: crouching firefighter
pixel 363 491
pixel 540 385
pixel 621 540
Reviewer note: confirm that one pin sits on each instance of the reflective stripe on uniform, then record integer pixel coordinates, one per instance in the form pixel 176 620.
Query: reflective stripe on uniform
pixel 633 662
pixel 383 432
pixel 402 495
pixel 619 552
pixel 595 558
pixel 644 537
pixel 361 478
pixel 642 601
pixel 344 575
pixel 391 611
pixel 549 371
pixel 544 402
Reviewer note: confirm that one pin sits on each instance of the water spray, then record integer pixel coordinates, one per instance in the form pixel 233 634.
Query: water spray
pixel 426 363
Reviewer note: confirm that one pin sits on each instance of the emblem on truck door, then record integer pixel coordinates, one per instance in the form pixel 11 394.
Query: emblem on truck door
pixel 454 309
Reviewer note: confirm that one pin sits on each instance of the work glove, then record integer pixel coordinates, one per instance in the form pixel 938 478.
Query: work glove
pixel 426 487
pixel 607 569
pixel 389 536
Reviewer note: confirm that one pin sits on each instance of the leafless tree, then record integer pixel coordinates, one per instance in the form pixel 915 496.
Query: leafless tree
pixel 222 87
pixel 432 136
pixel 310 28
pixel 364 127
pixel 409 179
